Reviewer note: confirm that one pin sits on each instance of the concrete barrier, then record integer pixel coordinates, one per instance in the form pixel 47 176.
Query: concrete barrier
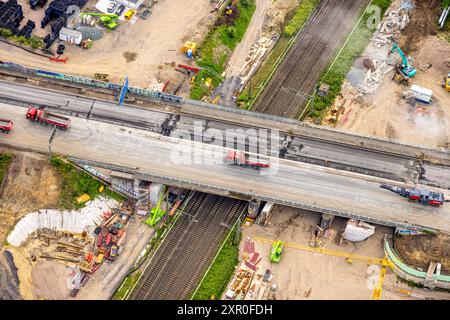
pixel 406 272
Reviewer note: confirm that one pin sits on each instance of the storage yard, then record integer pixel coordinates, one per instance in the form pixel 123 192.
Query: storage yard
pixel 77 228
pixel 145 59
pixel 311 267
pixel 374 104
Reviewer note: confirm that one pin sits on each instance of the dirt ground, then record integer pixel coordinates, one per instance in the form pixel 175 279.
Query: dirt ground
pixel 385 113
pixel 306 275
pixel 30 184
pixel 418 251
pixel 267 20
pixel 422 25
pixel 110 276
pixel 51 280
pixel 153 42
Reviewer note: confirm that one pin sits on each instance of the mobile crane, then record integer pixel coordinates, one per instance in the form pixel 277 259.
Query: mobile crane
pixel 157 213
pixel 404 69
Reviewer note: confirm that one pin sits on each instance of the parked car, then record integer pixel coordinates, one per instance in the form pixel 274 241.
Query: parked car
pixel 111 7
pixel 145 14
pixel 120 10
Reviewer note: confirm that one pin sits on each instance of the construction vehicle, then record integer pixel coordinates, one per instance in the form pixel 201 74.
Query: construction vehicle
pixel 102 76
pixel 424 197
pixel 446 83
pixel 129 14
pixel 230 8
pixel 109 21
pixel 157 213
pixel 86 43
pixel 275 252
pixel 6 125
pixel 405 71
pixel 242 159
pixel 417 93
pixel 189 49
pixel 45 117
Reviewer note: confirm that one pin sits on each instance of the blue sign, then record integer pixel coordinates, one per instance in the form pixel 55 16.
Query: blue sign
pixel 124 91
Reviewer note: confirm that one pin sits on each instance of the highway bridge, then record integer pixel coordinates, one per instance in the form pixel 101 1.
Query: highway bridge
pixel 322 146
pixel 154 157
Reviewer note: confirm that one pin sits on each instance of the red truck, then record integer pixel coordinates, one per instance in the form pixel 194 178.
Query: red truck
pixel 43 116
pixel 6 125
pixel 242 158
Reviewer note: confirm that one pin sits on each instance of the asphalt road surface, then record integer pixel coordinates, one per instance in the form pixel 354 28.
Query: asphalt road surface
pixel 287 181
pixel 307 149
pixel 287 93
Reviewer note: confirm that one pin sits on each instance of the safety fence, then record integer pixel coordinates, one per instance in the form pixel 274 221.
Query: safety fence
pixel 312 130
pixel 89 82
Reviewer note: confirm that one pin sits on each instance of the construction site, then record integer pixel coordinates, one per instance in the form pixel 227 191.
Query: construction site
pixel 118 179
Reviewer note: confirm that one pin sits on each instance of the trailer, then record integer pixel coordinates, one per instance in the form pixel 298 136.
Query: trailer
pixel 417 93
pixel 45 117
pixel 243 159
pixel 70 36
pixel 6 126
pixel 424 197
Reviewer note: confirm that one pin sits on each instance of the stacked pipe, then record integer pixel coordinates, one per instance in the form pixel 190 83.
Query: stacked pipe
pixel 10 15
pixel 57 10
pixel 27 29
pixel 35 3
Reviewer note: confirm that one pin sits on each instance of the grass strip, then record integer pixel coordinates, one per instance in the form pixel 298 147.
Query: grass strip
pixel 264 73
pixel 33 41
pixel 353 49
pixel 5 161
pixel 218 46
pixel 216 280
pixel 76 183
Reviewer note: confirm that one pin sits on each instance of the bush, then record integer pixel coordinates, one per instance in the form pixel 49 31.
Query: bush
pixel 5 160
pixel 34 41
pixel 231 32
pixel 217 47
pixel 221 271
pixel 300 17
pixel 6 33
pixel 76 183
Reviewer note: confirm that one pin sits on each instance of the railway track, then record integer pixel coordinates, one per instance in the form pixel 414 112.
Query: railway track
pixel 188 249
pixel 287 93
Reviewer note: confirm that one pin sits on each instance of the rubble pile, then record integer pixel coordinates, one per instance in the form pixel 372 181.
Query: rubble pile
pixel 381 63
pixel 256 55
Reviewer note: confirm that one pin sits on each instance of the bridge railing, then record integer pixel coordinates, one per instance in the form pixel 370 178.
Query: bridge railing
pixel 215 189
pixel 242 112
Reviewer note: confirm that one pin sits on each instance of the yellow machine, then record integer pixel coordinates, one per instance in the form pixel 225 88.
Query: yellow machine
pixel 446 83
pixel 230 7
pixel 129 14
pixel 189 48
